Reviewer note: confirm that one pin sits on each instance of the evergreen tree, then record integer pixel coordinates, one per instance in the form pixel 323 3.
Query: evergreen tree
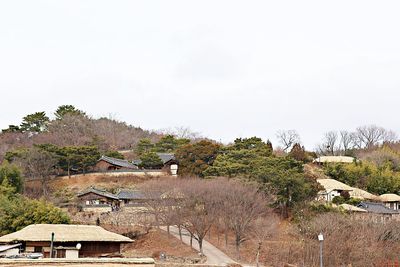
pixel 143 146
pixel 150 160
pixel 11 175
pixel 195 158
pixel 67 109
pixel 36 122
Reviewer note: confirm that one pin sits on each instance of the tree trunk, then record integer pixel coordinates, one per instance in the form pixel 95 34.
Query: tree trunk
pixel 237 244
pixel 157 220
pixel 201 246
pixel 44 187
pixel 180 232
pixel 226 238
pixel 258 254
pixel 168 231
pixel 191 240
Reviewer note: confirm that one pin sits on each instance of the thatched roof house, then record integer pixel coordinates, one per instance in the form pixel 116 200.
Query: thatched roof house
pixel 362 194
pixel 389 198
pixel 94 240
pixel 351 208
pixel 332 189
pixel 391 201
pixel 334 159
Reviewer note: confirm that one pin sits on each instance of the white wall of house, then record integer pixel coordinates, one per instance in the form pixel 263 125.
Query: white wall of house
pixel 393 205
pixel 331 195
pixel 10 252
pixel 328 196
pixel 71 253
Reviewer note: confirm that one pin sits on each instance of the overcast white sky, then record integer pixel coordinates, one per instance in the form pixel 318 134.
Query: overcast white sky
pixel 224 68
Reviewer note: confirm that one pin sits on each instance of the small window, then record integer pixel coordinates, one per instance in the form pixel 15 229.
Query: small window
pixel 38 249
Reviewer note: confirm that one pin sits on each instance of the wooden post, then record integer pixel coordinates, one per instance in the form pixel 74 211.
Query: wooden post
pixel 52 245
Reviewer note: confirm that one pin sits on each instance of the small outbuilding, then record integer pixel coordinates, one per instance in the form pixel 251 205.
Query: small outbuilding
pixel 70 241
pixel 379 211
pixel 131 197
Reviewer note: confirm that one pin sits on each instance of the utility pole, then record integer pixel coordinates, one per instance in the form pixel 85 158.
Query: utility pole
pixel 321 241
pixel 52 245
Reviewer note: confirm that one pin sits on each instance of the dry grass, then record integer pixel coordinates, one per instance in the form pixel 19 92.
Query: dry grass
pixel 276 250
pixel 157 241
pixel 77 183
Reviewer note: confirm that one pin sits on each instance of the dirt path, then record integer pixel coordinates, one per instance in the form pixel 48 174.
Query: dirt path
pixel 213 254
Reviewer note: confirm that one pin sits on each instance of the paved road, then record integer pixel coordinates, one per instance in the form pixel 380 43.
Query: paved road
pixel 213 254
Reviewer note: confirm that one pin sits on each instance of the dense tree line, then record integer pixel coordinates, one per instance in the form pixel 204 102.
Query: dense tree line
pixel 72 127
pixel 251 159
pixel 17 211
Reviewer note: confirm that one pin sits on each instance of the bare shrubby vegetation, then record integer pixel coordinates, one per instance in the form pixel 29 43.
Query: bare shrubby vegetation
pixel 196 205
pixel 349 239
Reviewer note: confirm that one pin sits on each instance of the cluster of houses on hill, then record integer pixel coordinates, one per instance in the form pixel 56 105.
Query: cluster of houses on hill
pixel 106 164
pixel 383 207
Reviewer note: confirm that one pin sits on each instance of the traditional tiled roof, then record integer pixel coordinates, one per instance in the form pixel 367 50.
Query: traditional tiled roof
pixel 376 208
pixel 99 192
pixel 165 157
pixel 64 233
pixel 118 162
pixel 130 194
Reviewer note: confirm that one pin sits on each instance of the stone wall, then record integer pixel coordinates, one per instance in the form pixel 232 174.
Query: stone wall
pixel 118 218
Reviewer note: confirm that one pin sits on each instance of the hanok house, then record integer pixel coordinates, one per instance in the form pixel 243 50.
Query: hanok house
pixel 70 241
pixel 379 212
pixel 391 201
pixel 130 197
pixel 170 164
pixel 332 189
pixel 98 198
pixel 111 164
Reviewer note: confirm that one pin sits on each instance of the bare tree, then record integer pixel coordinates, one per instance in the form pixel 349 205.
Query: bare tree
pixel 39 164
pixel 330 144
pixel 200 208
pixel 287 138
pixel 369 136
pixel 153 191
pixel 346 141
pixel 245 204
pixel 181 132
pixel 197 204
pixel 261 229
